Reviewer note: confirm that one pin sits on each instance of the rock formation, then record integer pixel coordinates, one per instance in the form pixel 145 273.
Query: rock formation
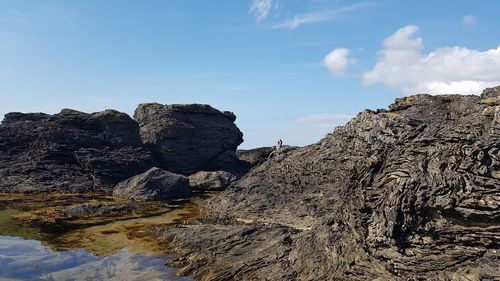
pixel 154 185
pixel 79 152
pixel 189 138
pixel 254 157
pixel 70 151
pixel 213 181
pixel 409 193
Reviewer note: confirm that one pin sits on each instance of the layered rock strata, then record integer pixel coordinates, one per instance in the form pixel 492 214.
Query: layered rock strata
pixel 408 193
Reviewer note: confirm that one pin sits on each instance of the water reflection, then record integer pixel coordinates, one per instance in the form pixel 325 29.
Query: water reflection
pixel 22 259
pixel 92 247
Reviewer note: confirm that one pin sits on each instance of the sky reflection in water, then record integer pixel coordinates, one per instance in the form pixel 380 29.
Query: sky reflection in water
pixel 22 259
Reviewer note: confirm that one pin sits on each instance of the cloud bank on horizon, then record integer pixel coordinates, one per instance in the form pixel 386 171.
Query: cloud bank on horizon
pixel 449 70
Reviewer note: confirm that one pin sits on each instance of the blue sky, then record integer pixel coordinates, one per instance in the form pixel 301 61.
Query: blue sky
pixel 290 69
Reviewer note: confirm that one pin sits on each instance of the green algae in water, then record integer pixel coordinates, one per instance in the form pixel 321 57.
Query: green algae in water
pixel 12 227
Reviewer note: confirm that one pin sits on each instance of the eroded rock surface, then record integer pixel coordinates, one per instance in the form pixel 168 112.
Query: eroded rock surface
pixel 189 138
pixel 409 193
pixel 213 181
pixel 70 151
pixel 254 157
pixel 154 185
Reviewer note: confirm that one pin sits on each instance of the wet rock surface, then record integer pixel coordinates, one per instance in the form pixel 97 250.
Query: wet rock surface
pixel 189 138
pixel 154 185
pixel 54 215
pixel 70 151
pixel 409 193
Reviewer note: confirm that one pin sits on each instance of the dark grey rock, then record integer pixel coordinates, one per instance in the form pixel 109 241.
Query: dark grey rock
pixel 70 151
pixel 251 158
pixel 154 185
pixel 254 157
pixel 20 117
pixel 189 138
pixel 410 193
pixel 215 181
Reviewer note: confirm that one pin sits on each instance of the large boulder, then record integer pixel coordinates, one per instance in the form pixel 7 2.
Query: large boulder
pixel 70 151
pixel 213 181
pixel 408 193
pixel 154 185
pixel 189 138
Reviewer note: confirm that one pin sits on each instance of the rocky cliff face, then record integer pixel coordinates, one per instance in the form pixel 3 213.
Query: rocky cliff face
pixel 74 151
pixel 70 151
pixel 409 193
pixel 189 138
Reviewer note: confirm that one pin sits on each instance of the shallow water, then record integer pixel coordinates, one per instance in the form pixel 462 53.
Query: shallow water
pixel 22 259
pixel 107 249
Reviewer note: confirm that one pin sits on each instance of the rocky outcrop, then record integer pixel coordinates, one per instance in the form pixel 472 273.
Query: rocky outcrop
pixel 154 185
pixel 79 152
pixel 254 157
pixel 189 138
pixel 409 193
pixel 70 151
pixel 211 181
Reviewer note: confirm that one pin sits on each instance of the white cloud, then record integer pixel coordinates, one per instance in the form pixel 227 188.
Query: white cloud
pixel 303 19
pixel 402 40
pixel 469 20
pixel 261 8
pixel 452 70
pixel 322 16
pixel 323 120
pixel 337 61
